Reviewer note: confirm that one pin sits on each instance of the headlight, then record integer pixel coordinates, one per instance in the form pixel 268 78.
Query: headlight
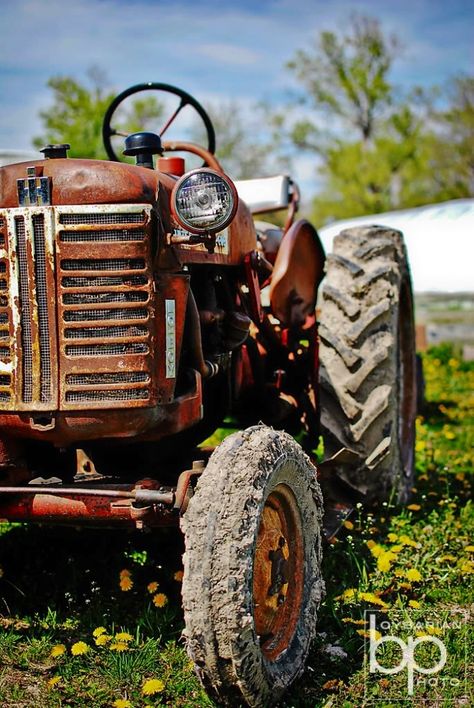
pixel 204 201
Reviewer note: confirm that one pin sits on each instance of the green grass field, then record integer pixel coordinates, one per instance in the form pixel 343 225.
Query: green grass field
pixel 91 618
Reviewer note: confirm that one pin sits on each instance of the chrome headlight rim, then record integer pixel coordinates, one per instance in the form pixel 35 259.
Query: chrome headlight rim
pixel 223 223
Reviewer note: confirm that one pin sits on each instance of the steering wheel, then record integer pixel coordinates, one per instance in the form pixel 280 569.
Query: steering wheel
pixel 186 99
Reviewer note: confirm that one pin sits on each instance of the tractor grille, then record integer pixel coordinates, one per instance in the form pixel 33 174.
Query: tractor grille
pixel 106 320
pixel 76 308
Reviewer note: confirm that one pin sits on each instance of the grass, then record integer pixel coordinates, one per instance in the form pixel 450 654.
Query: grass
pixel 62 590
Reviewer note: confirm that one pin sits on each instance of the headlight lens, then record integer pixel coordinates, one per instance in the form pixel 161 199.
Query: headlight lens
pixel 204 201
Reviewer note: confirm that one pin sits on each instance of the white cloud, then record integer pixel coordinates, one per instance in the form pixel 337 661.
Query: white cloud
pixel 228 53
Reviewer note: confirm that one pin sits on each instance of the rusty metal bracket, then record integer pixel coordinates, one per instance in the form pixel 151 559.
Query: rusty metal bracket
pixel 184 490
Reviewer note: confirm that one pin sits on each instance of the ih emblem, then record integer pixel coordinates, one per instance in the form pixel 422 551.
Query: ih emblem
pixel 35 190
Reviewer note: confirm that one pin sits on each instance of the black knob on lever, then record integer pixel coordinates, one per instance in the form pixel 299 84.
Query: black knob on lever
pixel 143 146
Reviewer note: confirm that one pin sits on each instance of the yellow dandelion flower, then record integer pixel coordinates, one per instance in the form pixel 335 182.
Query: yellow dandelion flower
pixel 178 576
pixel 160 599
pixel 449 435
pixel 153 686
pixel 467 567
pixel 453 363
pixel 152 587
pixel 126 583
pixel 414 507
pixel 125 573
pixel 98 631
pixel 423 478
pixel 79 648
pixel 433 630
pixel 54 681
pixel 373 634
pixel 414 603
pixel 399 573
pixel 349 620
pixel 348 525
pixel 376 550
pixel 384 561
pixel 58 650
pixel 119 646
pixel 413 575
pixel 420 445
pixel 103 640
pixel 407 541
pixel 124 637
pixel 349 594
pixel 396 548
pixel 447 557
pixel 405 586
pixel 122 703
pixel 373 599
pixel 370 544
pixel 392 537
pixel 469 549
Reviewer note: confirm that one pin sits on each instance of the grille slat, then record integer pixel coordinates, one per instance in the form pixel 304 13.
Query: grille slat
pixel 103 298
pixel 107 349
pixel 104 218
pixel 25 310
pixel 132 394
pixel 103 264
pixel 42 303
pixel 106 332
pixel 107 378
pixel 102 236
pixel 96 315
pixel 108 281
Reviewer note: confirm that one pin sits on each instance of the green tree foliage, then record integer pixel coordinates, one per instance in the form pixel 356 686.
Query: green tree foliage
pixel 77 112
pixel 451 146
pixel 377 150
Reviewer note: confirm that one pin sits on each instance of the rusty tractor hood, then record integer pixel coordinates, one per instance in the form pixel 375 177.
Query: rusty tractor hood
pixel 76 181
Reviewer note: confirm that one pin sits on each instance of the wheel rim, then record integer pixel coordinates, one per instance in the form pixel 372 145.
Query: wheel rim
pixel 407 379
pixel 278 576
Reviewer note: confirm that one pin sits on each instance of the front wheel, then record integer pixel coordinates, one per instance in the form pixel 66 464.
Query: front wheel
pixel 252 567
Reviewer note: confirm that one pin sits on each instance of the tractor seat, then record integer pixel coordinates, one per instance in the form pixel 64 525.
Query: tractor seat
pixel 297 273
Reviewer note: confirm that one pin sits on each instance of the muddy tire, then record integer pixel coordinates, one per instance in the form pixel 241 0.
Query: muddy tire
pixel 252 580
pixel 368 372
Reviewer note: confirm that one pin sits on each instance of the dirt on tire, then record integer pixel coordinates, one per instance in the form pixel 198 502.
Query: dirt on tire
pixel 221 527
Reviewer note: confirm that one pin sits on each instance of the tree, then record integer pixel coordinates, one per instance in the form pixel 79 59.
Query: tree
pixel 378 150
pixel 452 154
pixel 77 112
pixel 347 76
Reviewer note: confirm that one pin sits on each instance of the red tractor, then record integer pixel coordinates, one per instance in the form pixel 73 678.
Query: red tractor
pixel 140 307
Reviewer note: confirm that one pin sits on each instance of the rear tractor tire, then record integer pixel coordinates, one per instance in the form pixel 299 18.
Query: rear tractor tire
pixel 368 371
pixel 252 567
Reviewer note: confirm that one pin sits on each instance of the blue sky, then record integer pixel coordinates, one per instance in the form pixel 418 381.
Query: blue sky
pixel 214 49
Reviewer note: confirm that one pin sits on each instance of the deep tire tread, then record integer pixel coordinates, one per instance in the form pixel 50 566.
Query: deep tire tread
pixel 359 357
